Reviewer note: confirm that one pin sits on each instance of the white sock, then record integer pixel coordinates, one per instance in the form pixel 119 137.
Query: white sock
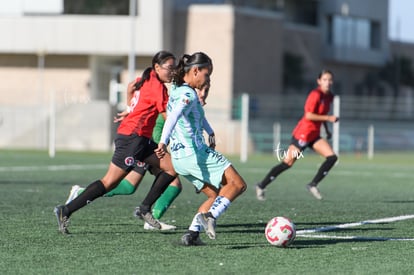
pixel 195 226
pixel 219 206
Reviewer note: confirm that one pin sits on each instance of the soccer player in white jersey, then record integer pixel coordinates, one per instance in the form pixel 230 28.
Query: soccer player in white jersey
pixel 208 170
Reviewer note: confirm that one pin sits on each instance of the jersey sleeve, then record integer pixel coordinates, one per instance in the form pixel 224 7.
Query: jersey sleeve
pixel 159 124
pixel 169 125
pixel 207 127
pixel 311 105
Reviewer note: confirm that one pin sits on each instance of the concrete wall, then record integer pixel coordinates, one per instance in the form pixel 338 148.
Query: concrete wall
pixel 306 42
pixel 258 52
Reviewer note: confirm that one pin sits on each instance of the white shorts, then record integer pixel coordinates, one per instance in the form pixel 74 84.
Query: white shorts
pixel 205 166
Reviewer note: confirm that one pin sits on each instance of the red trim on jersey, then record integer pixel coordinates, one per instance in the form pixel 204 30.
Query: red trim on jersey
pixel 318 103
pixel 148 102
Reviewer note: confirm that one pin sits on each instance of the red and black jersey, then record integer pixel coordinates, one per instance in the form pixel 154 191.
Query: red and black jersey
pixel 319 103
pixel 147 103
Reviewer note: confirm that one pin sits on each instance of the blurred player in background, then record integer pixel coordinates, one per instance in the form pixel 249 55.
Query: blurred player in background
pixel 307 134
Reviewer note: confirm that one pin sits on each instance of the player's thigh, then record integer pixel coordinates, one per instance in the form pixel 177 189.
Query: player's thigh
pixel 292 154
pixel 323 148
pixel 134 177
pixel 210 191
pixel 164 163
pixel 113 176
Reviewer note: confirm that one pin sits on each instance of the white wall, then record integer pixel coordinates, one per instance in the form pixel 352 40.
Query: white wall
pixel 20 7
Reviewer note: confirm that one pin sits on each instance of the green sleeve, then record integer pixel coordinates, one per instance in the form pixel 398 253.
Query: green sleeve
pixel 159 124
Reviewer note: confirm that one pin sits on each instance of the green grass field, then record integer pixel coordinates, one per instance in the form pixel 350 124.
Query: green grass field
pixel 107 239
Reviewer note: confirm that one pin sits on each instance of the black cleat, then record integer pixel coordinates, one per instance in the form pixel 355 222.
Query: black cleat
pixel 62 219
pixel 191 238
pixel 137 213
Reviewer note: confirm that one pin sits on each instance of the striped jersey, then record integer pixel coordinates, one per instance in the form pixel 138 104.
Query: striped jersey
pixel 186 137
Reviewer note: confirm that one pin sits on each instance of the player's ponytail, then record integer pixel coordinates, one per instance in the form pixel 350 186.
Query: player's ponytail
pixel 186 62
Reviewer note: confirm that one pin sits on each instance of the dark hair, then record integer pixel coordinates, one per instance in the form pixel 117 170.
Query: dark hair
pixel 198 59
pixel 325 71
pixel 159 58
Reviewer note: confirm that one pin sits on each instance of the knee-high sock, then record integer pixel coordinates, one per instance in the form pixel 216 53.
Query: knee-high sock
pixel 273 173
pixel 195 225
pixel 165 200
pixel 93 191
pixel 123 188
pixel 219 206
pixel 161 183
pixel 324 169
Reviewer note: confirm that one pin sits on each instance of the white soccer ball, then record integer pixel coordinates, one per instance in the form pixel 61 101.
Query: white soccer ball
pixel 280 231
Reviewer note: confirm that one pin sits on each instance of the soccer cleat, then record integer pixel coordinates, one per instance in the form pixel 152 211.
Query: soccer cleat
pixel 209 224
pixel 260 193
pixel 314 191
pixel 164 226
pixel 74 191
pixel 137 213
pixel 191 238
pixel 62 219
pixel 147 217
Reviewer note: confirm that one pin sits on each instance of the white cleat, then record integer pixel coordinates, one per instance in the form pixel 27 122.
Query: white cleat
pixel 260 193
pixel 314 191
pixel 74 191
pixel 164 226
pixel 209 225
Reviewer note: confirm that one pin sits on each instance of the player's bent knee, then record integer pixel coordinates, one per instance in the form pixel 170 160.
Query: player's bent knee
pixel 240 185
pixel 244 187
pixel 332 159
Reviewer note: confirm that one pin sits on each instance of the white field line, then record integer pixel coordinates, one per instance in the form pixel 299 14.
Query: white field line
pixel 53 167
pixel 308 233
pixel 357 238
pixel 354 224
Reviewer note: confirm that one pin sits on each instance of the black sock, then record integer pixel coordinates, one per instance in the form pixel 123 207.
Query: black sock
pixel 273 173
pixel 161 183
pixel 324 169
pixel 193 234
pixel 93 191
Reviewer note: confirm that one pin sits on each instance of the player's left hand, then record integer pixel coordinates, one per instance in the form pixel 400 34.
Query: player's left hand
pixel 120 116
pixel 328 135
pixel 161 150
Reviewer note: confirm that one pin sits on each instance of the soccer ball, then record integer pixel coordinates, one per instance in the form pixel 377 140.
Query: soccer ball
pixel 280 231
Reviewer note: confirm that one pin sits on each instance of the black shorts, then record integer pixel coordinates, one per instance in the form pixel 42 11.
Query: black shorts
pixel 302 145
pixel 141 167
pixel 129 150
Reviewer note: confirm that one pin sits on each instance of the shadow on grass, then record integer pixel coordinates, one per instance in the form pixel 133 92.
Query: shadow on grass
pixel 259 228
pixel 306 244
pixel 301 244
